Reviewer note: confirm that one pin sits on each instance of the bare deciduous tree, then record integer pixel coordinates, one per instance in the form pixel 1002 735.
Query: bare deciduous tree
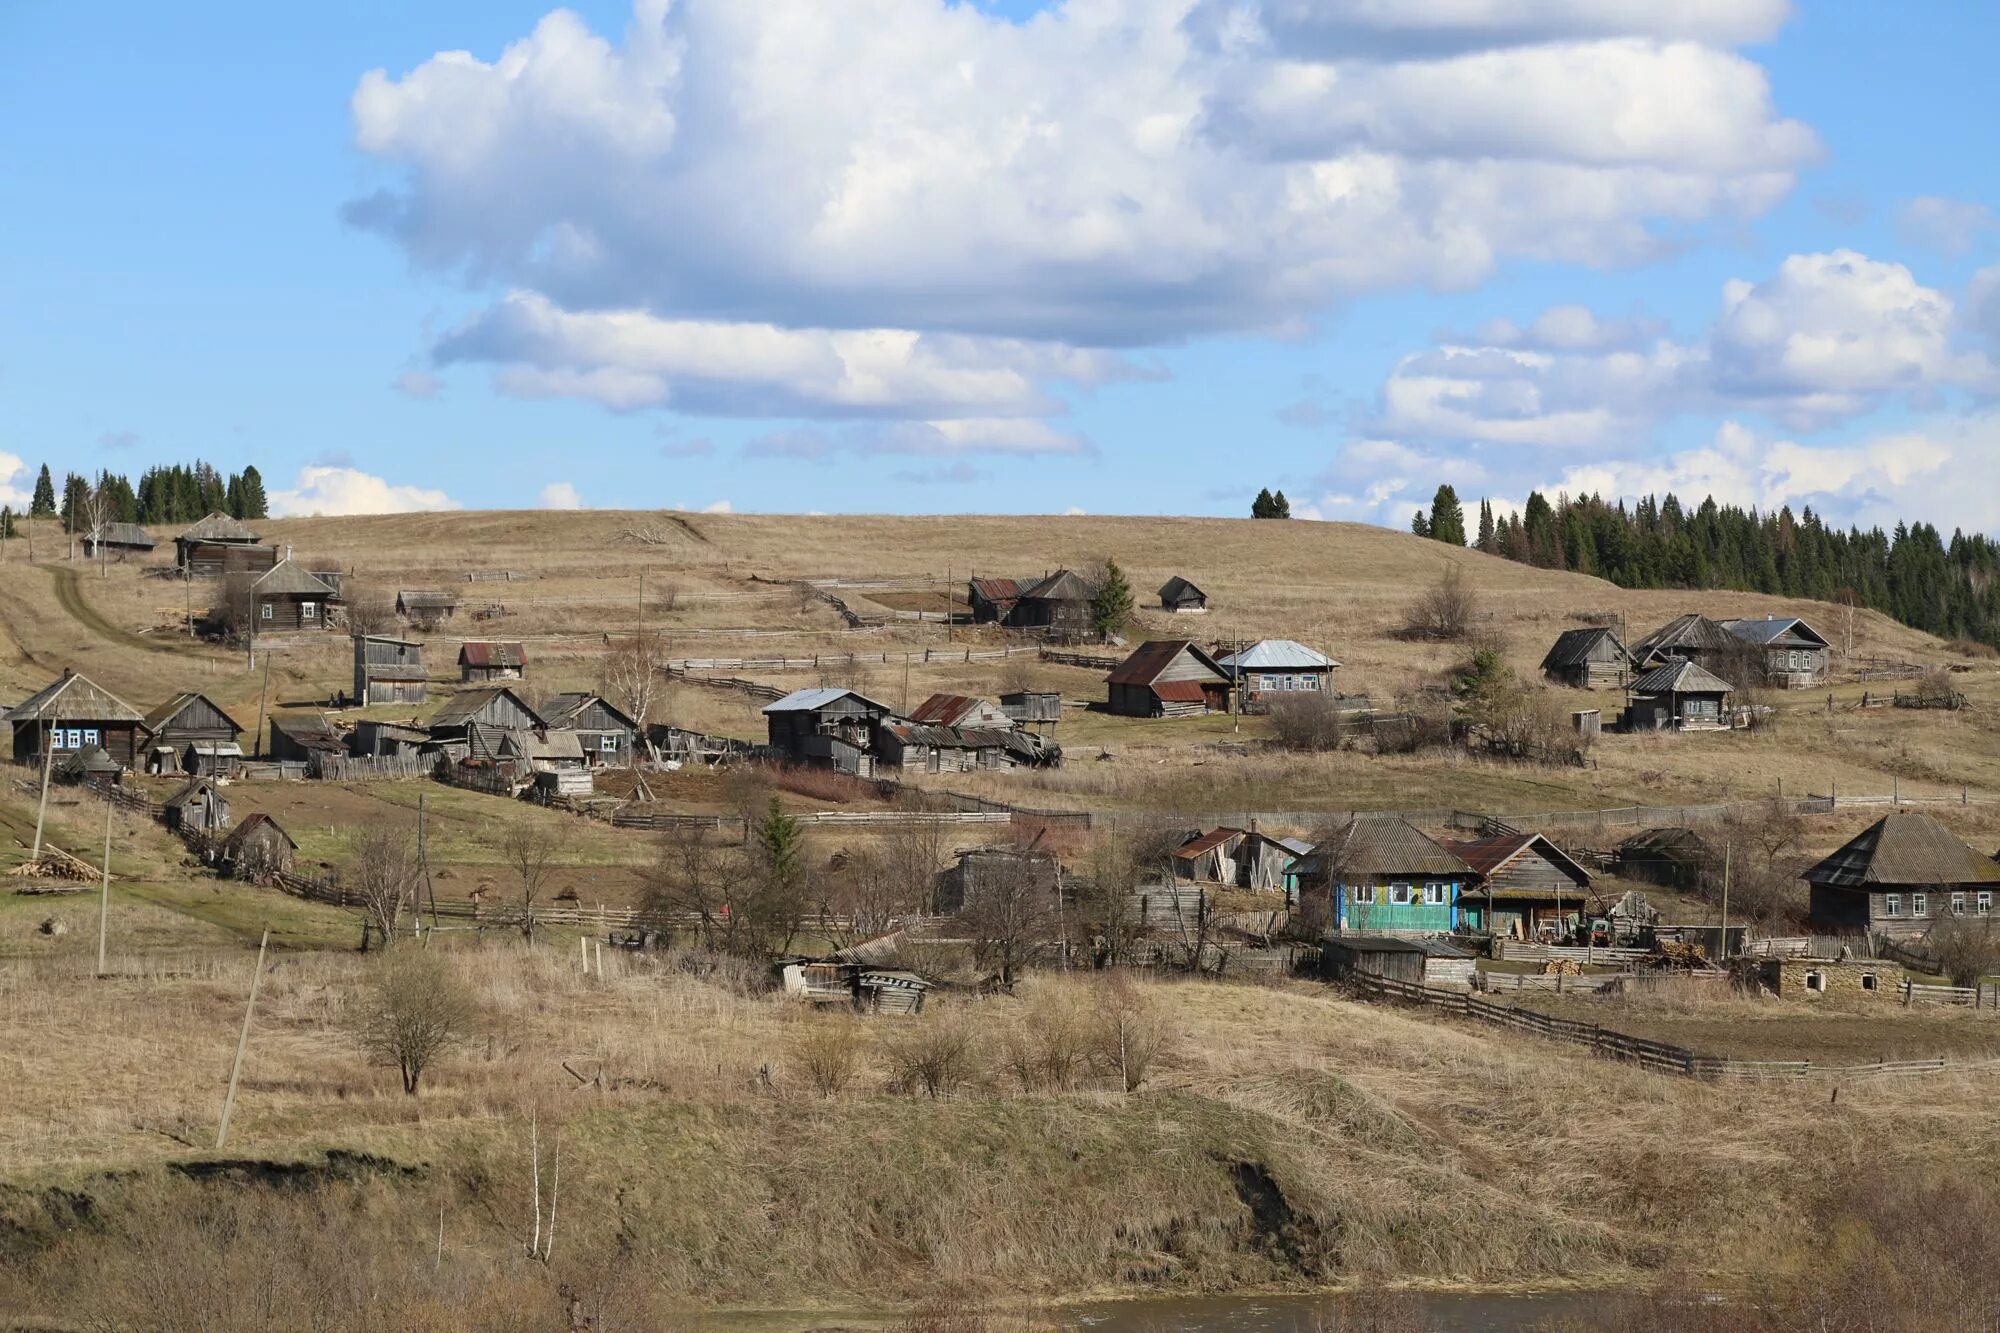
pixel 1013 913
pixel 867 895
pixel 631 675
pixel 692 872
pixel 1445 610
pixel 369 610
pixel 234 607
pixel 1117 866
pixel 1967 948
pixel 97 513
pixel 384 872
pixel 1308 722
pixel 1131 1035
pixel 416 1010
pixel 532 853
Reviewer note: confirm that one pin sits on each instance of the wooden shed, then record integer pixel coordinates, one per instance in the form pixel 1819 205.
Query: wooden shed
pixel 191 725
pixel 1677 858
pixel 1897 877
pixel 479 662
pixel 1418 962
pixel 287 597
pixel 1181 597
pixel 426 606
pixel 297 737
pixel 606 734
pixel 1526 887
pixel 219 545
pixel 1240 858
pixel 72 713
pixel 1058 605
pixel 118 539
pixel 1040 709
pixel 962 710
pixel 256 848
pixel 1682 695
pixel 983 871
pixel 1168 678
pixel 1591 658
pixel 992 600
pixel 388 671
pixel 199 807
pixel 492 706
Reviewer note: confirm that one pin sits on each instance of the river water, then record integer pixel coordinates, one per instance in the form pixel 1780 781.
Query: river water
pixel 1433 1312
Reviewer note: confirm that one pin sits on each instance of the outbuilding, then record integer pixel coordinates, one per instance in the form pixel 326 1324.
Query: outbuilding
pixel 197 807
pixel 1590 658
pixel 1418 962
pixel 119 539
pixel 190 725
pixel 257 848
pixel 1526 887
pixel 387 670
pixel 1182 598
pixel 1168 678
pixel 604 731
pixel 219 545
pixel 481 662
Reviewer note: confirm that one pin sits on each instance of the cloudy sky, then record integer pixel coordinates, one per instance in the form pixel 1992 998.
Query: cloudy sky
pixel 1124 256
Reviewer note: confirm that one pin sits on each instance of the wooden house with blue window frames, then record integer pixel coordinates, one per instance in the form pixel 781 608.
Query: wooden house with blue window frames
pixel 1379 875
pixel 73 714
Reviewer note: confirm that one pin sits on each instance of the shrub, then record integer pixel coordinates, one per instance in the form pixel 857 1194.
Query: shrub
pixel 1307 722
pixel 416 1010
pixel 829 1054
pixel 1051 1048
pixel 1445 610
pixel 1130 1033
pixel 936 1056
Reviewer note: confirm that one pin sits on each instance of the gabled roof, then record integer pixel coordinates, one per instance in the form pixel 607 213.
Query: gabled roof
pixel 1149 659
pixel 965 738
pixel 1681 676
pixel 1772 629
pixel 289 578
pixel 123 534
pixel 563 709
pixel 462 707
pixel 1177 587
pixel 1575 647
pixel 1487 856
pixel 996 590
pixel 189 791
pixel 1204 842
pixel 71 697
pixel 252 823
pixel 946 710
pixel 1904 848
pixel 813 699
pixel 1691 633
pixel 310 731
pixel 157 720
pixel 1385 845
pixel 89 759
pixel 492 655
pixel 425 599
pixel 1062 586
pixel 217 527
pixel 1680 844
pixel 1277 655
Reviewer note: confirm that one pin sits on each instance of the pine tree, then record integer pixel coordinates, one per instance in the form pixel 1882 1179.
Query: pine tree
pixel 6 522
pixel 1263 506
pixel 76 494
pixel 1111 604
pixel 44 503
pixel 1280 506
pixel 1447 517
pixel 1485 542
pixel 1420 524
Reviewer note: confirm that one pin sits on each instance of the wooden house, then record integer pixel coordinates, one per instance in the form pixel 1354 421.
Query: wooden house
pixel 482 662
pixel 1791 654
pixel 1688 638
pixel 1239 858
pixel 1590 658
pixel 1182 598
pixel 1682 695
pixel 189 733
pixel 198 807
pixel 546 751
pixel 219 545
pixel 1677 858
pixel 992 600
pixel 606 734
pixel 426 606
pixel 297 737
pixel 289 598
pixel 118 539
pixel 72 713
pixel 1418 962
pixel 1379 874
pixel 257 848
pixel 1278 669
pixel 982 871
pixel 1037 709
pixel 920 748
pixel 1168 678
pixel 1526 888
pixel 373 738
pixel 387 671
pixel 826 727
pixel 494 706
pixel 1897 877
pixel 1058 606
pixel 962 710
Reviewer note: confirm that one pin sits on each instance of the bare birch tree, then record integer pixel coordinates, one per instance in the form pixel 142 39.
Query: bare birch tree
pixel 631 677
pixel 384 873
pixel 533 854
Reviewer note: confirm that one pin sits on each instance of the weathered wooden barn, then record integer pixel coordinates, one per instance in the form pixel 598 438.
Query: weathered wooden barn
pixel 219 545
pixel 494 706
pixel 376 738
pixel 190 733
pixel 1677 858
pixel 983 871
pixel 1794 655
pixel 256 848
pixel 1037 709
pixel 426 606
pixel 388 671
pixel 1898 877
pixel 1239 858
pixel 1379 874
pixel 1682 695
pixel 962 710
pixel 1278 669
pixel 1419 962
pixel 1182 598
pixel 606 734
pixel 992 600
pixel 287 597
pixel 827 727
pixel 1590 658
pixel 297 737
pixel 1688 638
pixel 921 748
pixel 1168 678
pixel 1525 888
pixel 118 540
pixel 1058 606
pixel 481 662
pixel 72 713
pixel 197 807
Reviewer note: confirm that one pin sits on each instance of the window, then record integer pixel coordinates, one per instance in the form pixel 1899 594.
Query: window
pixel 1920 904
pixel 1310 682
pixel 609 744
pixel 308 610
pixel 1816 982
pixel 1892 904
pixel 1361 895
pixel 1958 904
pixel 1983 904
pixel 90 735
pixel 264 610
pixel 1868 981
pixel 1401 895
pixel 1437 895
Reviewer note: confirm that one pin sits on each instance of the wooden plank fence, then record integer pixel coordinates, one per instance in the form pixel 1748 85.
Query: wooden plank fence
pixel 1513 951
pixel 1094 661
pixel 822 661
pixel 1574 984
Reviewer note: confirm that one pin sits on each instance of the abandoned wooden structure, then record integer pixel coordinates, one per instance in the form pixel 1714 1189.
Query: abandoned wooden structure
pixel 189 733
pixel 256 848
pixel 1898 877
pixel 1677 858
pixel 1590 658
pixel 961 710
pixel 118 539
pixel 1379 874
pixel 1168 678
pixel 1820 978
pixel 921 748
pixel 992 600
pixel 1240 858
pixel 219 545
pixel 376 738
pixel 1277 669
pixel 479 662
pixel 826 727
pixel 388 671
pixel 1182 598
pixel 604 731
pixel 1037 709
pixel 287 597
pixel 493 706
pixel 426 606
pixel 1792 654
pixel 197 807
pixel 71 713
pixel 1418 962
pixel 1691 638
pixel 297 737
pixel 1681 695
pixel 1526 888
pixel 1057 606
pixel 983 872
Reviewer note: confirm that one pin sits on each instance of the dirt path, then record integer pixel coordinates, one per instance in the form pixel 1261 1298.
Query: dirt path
pixel 69 595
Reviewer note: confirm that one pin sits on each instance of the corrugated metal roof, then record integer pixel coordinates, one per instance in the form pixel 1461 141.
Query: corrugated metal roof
pixel 997 590
pixel 1277 655
pixel 218 528
pixel 72 697
pixel 1149 659
pixel 814 698
pixel 1772 629
pixel 1681 676
pixel 1203 842
pixel 1573 647
pixel 1904 848
pixel 492 655
pixel 1374 845
pixel 1180 692
pixel 945 710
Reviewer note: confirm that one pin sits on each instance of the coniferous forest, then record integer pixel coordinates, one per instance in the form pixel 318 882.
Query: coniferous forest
pixel 175 493
pixel 1947 587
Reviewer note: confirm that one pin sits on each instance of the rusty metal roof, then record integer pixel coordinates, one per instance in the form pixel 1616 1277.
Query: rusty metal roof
pixel 1151 658
pixel 492 655
pixel 1203 842
pixel 1904 848
pixel 945 710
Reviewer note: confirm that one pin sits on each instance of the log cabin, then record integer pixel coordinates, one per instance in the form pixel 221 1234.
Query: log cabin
pixel 1379 874
pixel 1590 658
pixel 287 598
pixel 1682 695
pixel 1168 678
pixel 1789 653
pixel 1898 877
pixel 73 713
pixel 219 545
pixel 827 727
pixel 606 734
pixel 190 733
pixel 1527 887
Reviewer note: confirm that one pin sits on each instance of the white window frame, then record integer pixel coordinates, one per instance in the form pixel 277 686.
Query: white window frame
pixel 1437 894
pixel 1310 682
pixel 1892 904
pixel 308 610
pixel 1958 904
pixel 1361 895
pixel 1920 904
pixel 90 735
pixel 264 610
pixel 1982 903
pixel 1407 891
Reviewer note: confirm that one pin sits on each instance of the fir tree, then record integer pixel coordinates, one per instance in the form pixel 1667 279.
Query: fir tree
pixel 1111 604
pixel 44 503
pixel 6 522
pixel 1280 506
pixel 76 494
pixel 1263 506
pixel 1447 517
pixel 1485 542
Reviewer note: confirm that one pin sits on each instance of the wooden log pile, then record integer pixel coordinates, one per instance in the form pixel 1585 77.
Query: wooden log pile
pixel 55 863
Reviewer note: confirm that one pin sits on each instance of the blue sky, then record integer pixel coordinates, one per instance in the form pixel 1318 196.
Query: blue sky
pixel 1123 256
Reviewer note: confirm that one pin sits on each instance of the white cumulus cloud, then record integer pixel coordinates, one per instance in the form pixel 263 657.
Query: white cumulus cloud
pixel 324 490
pixel 559 495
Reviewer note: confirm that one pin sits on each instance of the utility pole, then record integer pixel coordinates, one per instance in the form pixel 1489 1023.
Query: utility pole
pixel 424 858
pixel 263 694
pixel 242 1044
pixel 1723 950
pixel 42 807
pixel 104 901
pixel 947 603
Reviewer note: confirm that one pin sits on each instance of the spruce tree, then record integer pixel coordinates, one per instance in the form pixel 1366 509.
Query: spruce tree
pixel 1280 506
pixel 1262 506
pixel 1420 524
pixel 255 505
pixel 6 522
pixel 1447 517
pixel 1485 542
pixel 1111 604
pixel 44 503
